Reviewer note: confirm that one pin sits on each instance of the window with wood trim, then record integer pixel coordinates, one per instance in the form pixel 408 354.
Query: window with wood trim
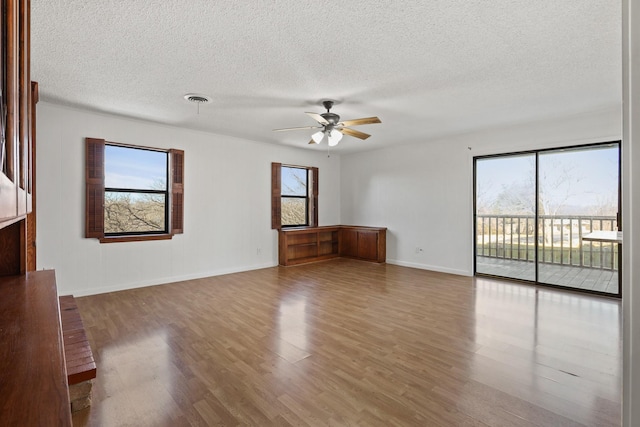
pixel 294 196
pixel 133 193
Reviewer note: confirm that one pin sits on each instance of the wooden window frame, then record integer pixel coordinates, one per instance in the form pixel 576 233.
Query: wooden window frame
pixel 95 190
pixel 276 195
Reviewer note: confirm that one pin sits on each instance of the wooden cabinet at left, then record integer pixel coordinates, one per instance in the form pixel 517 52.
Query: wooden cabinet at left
pixel 17 125
pixel 33 378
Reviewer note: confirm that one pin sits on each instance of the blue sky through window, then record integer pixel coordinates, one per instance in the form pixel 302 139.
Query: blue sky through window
pixel 135 168
pixel 294 181
pixel 574 179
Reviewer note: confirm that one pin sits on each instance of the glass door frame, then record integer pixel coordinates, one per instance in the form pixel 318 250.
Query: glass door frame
pixel 536 153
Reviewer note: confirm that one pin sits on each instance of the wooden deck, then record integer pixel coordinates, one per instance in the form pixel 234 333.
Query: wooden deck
pixel 573 277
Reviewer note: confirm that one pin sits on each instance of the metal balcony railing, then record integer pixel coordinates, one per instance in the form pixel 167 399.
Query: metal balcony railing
pixel 559 239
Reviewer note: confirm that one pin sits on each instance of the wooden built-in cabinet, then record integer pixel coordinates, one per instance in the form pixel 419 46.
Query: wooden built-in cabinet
pixel 366 243
pixel 15 114
pixel 300 245
pixel 310 244
pixel 17 126
pixel 33 379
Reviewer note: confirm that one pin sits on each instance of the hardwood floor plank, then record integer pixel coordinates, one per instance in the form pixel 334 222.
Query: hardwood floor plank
pixel 344 343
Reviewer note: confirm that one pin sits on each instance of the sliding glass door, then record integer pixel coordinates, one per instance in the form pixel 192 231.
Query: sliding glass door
pixel 536 212
pixel 578 195
pixel 505 216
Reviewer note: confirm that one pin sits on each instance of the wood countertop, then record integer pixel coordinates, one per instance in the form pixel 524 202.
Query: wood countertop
pixel 33 377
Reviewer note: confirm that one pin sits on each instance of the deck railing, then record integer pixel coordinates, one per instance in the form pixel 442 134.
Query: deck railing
pixel 559 239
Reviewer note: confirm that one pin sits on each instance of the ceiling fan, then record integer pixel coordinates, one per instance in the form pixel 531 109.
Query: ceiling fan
pixel 331 128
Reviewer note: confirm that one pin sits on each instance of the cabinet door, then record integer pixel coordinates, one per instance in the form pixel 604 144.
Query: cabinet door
pixel 15 93
pixel 348 242
pixel 368 245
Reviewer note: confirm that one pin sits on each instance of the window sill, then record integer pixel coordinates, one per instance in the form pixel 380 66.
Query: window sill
pixel 138 238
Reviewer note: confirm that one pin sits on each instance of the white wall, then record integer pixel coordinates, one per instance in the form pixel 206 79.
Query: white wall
pixel 227 204
pixel 631 212
pixel 423 192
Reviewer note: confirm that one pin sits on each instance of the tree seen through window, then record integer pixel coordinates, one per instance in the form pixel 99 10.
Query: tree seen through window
pixel 295 193
pixel 136 193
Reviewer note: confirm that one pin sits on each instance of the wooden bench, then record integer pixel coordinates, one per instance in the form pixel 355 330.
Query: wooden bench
pixel 81 368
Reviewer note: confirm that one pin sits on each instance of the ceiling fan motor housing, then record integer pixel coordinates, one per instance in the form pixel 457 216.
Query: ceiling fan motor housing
pixel 331 118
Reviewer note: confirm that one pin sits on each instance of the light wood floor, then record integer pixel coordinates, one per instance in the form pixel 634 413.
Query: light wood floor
pixel 351 343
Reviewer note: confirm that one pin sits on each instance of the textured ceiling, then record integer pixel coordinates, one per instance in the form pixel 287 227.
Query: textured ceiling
pixel 426 68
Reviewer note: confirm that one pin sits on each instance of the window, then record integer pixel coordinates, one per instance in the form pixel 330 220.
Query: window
pixel 294 196
pixel 133 193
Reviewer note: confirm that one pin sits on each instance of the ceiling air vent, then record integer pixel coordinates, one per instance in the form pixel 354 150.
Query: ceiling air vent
pixel 198 99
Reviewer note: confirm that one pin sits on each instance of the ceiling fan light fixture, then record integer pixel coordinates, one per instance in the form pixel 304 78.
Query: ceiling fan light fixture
pixel 334 137
pixel 317 137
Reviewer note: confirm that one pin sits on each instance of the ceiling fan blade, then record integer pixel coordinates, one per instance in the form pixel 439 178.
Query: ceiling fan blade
pixel 297 128
pixel 318 118
pixel 355 133
pixel 363 121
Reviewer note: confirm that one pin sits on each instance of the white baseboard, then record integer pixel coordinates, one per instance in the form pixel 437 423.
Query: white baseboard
pixel 429 267
pixel 163 281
